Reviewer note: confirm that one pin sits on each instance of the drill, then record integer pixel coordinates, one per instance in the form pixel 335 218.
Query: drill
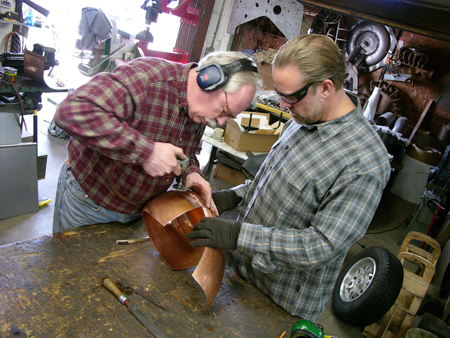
pixel 184 164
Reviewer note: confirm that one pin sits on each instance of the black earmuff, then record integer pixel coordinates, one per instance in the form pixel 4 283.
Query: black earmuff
pixel 214 76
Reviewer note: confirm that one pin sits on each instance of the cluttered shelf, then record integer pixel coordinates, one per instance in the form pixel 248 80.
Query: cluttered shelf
pixel 27 85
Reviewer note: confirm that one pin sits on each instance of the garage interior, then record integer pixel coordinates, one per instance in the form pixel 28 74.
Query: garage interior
pixel 408 103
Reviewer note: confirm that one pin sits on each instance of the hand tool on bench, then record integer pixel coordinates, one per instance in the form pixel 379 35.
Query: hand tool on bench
pixel 130 241
pixel 154 330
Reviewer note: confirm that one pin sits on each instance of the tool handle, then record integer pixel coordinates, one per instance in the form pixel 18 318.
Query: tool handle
pixel 111 286
pixel 184 164
pixel 131 241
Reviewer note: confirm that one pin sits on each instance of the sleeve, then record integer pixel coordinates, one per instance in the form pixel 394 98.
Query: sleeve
pixel 342 218
pixel 96 114
pixel 242 189
pixel 194 164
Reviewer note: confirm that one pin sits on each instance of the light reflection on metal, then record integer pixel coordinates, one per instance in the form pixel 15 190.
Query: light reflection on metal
pixel 168 218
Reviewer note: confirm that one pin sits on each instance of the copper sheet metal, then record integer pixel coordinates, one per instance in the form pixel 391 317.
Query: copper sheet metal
pixel 167 219
pixel 209 272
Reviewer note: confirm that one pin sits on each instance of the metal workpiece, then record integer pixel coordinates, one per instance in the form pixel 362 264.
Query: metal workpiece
pixel 168 218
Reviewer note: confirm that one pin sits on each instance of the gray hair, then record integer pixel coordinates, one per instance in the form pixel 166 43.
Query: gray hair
pixel 236 80
pixel 317 57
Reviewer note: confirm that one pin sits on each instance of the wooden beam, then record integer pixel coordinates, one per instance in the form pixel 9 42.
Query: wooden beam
pixel 424 113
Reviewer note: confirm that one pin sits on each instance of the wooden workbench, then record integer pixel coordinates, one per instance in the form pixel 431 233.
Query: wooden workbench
pixel 52 287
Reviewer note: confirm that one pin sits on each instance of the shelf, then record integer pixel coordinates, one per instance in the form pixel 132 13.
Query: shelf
pixel 10 22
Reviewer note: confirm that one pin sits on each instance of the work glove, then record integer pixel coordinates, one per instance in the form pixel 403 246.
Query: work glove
pixel 225 200
pixel 216 233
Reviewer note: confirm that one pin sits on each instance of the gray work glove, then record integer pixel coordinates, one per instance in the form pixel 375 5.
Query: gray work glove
pixel 216 233
pixel 225 200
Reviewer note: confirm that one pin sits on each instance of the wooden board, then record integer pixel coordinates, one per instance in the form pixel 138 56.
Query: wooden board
pixel 52 287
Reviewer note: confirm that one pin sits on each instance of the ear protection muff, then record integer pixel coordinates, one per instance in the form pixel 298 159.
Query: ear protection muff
pixel 214 76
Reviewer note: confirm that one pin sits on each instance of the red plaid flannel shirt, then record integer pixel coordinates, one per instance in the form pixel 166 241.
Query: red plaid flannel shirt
pixel 117 117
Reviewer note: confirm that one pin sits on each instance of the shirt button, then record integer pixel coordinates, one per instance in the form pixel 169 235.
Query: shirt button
pixel 286 147
pixel 181 139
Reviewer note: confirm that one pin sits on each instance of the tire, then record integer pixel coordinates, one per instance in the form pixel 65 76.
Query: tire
pixel 367 287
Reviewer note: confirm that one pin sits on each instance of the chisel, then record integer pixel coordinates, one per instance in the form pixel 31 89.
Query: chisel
pixel 154 330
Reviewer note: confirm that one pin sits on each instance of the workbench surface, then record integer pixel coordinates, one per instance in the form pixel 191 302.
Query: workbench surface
pixel 52 287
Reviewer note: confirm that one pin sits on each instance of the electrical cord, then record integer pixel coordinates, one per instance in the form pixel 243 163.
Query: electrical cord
pixel 12 42
pixel 202 6
pixel 177 45
pixel 19 98
pixel 405 221
pixel 111 184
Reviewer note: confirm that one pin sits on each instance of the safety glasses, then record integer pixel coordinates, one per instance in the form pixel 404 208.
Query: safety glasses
pixel 297 96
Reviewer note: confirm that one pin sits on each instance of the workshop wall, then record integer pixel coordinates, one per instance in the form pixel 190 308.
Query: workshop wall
pixel 262 35
pixel 415 95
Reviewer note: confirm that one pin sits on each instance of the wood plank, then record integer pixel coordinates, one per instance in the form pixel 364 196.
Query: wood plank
pixel 424 113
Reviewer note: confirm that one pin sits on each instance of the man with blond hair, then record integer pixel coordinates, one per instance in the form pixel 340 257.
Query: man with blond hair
pixel 315 194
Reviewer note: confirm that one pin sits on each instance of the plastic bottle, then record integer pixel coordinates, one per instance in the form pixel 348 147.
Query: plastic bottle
pixel 30 21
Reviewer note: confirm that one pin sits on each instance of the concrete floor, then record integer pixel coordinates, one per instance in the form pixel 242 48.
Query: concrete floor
pixel 385 230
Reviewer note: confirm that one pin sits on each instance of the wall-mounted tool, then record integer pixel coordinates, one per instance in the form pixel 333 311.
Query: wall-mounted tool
pixel 111 286
pixel 184 164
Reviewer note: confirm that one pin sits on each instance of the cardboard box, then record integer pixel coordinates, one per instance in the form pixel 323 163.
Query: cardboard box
pixel 228 174
pixel 247 141
pixel 265 70
pixel 257 119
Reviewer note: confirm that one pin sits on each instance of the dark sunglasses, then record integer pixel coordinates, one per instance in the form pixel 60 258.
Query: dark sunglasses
pixel 297 96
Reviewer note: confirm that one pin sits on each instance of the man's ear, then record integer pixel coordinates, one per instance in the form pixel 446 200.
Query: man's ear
pixel 327 87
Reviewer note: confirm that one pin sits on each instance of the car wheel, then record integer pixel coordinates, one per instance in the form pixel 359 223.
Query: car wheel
pixel 367 286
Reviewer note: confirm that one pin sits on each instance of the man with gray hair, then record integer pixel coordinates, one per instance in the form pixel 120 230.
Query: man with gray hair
pixel 129 127
pixel 316 192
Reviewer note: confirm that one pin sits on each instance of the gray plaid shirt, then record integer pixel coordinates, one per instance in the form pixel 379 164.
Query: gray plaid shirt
pixel 312 199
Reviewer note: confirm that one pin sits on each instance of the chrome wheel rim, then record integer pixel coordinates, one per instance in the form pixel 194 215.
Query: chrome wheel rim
pixel 358 279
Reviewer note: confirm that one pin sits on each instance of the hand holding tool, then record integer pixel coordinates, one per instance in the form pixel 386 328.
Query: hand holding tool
pixel 184 164
pixel 215 233
pixel 154 330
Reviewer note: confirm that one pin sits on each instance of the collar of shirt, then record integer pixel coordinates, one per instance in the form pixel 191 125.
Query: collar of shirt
pixel 184 86
pixel 329 129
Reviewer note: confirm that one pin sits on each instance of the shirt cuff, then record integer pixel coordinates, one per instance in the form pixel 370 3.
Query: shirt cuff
pixel 143 151
pixel 253 239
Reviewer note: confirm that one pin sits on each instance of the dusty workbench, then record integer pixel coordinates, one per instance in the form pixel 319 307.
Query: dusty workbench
pixel 52 287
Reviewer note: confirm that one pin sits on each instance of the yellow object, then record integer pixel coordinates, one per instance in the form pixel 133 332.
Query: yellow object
pixel 44 202
pixel 282 335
